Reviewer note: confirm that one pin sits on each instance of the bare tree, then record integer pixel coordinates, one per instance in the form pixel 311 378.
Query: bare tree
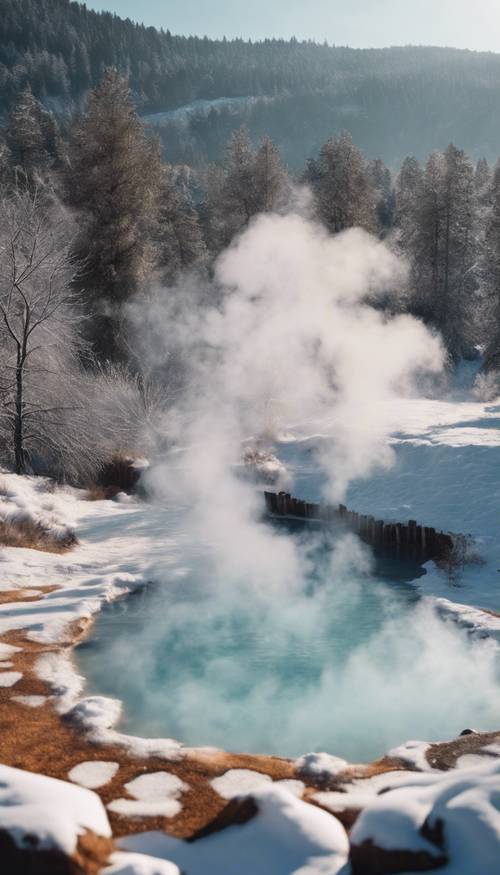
pixel 41 413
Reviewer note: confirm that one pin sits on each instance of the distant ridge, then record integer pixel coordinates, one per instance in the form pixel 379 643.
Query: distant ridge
pixel 394 101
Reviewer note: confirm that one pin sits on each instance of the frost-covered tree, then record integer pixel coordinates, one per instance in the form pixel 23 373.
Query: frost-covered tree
pixel 33 139
pixel 436 218
pixel 112 180
pixel 380 179
pixel 491 257
pixel 249 182
pixel 341 187
pixel 180 243
pixel 408 193
pixel 41 414
pixel 270 181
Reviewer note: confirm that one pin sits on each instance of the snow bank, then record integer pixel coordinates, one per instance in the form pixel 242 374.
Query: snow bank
pixel 53 811
pixel 27 502
pixel 286 836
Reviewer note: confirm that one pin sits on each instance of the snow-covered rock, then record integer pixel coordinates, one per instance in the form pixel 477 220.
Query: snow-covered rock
pixel 48 814
pixel 321 767
pixel 452 817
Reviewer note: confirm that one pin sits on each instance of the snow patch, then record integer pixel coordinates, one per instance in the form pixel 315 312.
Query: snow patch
pixel 413 753
pixel 239 782
pixel 93 774
pixel 154 795
pixel 30 701
pixel 9 678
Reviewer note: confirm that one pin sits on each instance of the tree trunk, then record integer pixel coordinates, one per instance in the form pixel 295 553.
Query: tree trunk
pixel 20 463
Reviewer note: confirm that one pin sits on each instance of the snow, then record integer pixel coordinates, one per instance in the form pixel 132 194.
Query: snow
pixel 154 795
pixel 360 792
pixel 30 701
pixel 238 782
pixel 414 754
pixel 7 650
pixel 320 766
pixel 93 774
pixel 286 836
pixel 25 500
pixel 243 782
pixel 466 802
pixel 139 864
pixel 9 678
pixel 54 811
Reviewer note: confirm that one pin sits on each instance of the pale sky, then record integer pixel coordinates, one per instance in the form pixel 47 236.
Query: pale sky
pixel 472 24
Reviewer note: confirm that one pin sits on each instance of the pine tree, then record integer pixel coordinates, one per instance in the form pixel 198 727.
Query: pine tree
pixel 27 138
pixel 112 179
pixel 436 216
pixel 249 182
pixel 492 272
pixel 380 179
pixel 483 179
pixel 456 309
pixel 179 238
pixel 271 183
pixel 341 188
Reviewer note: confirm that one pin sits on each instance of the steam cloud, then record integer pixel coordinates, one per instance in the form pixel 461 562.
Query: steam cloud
pixel 285 337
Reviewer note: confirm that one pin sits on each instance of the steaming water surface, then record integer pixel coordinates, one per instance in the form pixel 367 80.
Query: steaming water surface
pixel 352 661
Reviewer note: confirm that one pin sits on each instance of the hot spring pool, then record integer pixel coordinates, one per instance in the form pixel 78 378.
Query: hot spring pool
pixel 351 661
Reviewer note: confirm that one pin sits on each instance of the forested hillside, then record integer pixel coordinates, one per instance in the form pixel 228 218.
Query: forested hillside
pixel 393 101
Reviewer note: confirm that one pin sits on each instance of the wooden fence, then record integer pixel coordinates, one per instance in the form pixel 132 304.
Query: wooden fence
pixel 406 539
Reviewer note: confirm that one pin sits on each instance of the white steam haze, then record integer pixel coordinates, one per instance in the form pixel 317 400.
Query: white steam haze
pixel 284 343
pixel 289 340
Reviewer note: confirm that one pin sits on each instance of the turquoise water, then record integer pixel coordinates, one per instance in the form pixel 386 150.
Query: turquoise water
pixel 352 662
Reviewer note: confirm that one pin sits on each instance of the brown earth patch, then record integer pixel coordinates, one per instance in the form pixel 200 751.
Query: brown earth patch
pixel 11 596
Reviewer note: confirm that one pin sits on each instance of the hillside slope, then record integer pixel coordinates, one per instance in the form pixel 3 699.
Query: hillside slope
pixel 394 101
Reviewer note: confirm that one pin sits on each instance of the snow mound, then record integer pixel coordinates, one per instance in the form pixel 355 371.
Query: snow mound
pixel 55 812
pixel 320 766
pixel 285 836
pixel 455 816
